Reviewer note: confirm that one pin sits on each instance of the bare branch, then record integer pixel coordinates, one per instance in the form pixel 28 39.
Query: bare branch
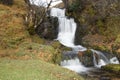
pixel 37 13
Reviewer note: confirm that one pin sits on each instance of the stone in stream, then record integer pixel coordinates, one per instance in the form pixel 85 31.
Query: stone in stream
pixel 104 78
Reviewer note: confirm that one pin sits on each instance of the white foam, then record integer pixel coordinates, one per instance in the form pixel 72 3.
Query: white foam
pixel 74 65
pixel 114 60
pixel 67 29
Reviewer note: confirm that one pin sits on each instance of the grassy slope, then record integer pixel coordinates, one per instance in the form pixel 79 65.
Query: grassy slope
pixel 33 70
pixel 21 57
pixel 12 28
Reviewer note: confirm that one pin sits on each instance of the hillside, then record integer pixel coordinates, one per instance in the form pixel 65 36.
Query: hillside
pixel 98 23
pixel 24 56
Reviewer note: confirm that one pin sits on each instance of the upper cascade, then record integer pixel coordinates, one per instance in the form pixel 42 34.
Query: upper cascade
pixel 67 29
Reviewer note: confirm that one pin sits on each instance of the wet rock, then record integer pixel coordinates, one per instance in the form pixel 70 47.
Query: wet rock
pixel 104 78
pixel 86 58
pixel 69 55
pixel 48 29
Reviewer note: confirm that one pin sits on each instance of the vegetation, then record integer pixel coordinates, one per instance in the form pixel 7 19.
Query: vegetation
pixel 26 56
pixel 114 68
pixel 74 6
pixel 34 70
pixel 23 54
pixel 98 24
pixel 7 2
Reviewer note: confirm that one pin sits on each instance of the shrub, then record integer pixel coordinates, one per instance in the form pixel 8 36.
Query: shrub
pixel 7 2
pixel 74 6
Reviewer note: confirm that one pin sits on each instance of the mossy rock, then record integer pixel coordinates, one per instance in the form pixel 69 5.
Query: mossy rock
pixel 88 52
pixel 56 44
pixel 113 68
pixel 101 48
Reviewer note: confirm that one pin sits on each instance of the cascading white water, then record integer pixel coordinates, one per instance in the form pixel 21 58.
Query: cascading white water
pixel 102 59
pixel 66 35
pixel 67 29
pixel 74 64
pixel 45 3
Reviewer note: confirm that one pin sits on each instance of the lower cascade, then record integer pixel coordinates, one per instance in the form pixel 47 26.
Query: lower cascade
pixel 66 34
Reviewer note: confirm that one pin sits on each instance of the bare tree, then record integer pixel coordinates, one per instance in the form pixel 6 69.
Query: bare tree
pixel 66 3
pixel 36 13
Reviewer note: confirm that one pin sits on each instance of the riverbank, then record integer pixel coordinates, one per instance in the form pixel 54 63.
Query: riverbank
pixel 24 56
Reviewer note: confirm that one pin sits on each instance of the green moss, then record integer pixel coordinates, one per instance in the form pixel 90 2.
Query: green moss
pixel 88 53
pixel 74 6
pixel 113 26
pixel 117 41
pixel 115 68
pixel 90 10
pixel 56 44
pixel 37 39
pixel 101 48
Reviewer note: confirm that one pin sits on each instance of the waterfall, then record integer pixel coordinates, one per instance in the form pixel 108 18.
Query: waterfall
pixel 74 64
pixel 45 3
pixel 66 34
pixel 100 59
pixel 67 29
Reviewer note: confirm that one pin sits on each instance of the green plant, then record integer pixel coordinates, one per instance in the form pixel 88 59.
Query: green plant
pixel 117 39
pixel 74 6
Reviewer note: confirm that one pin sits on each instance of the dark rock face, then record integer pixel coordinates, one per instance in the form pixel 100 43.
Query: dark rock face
pixel 48 29
pixel 86 58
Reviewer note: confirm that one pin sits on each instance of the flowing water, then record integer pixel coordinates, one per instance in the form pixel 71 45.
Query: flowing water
pixel 67 29
pixel 66 35
pixel 103 60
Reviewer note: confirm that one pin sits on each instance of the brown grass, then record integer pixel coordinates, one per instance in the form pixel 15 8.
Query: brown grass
pixel 12 28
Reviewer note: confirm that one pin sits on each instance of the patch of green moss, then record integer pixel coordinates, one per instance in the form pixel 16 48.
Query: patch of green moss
pixel 37 39
pixel 100 24
pixel 113 26
pixel 74 6
pixel 117 41
pixel 56 44
pixel 88 53
pixel 90 10
pixel 115 68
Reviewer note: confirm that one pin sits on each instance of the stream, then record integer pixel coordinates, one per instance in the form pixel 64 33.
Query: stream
pixel 66 35
pixel 76 60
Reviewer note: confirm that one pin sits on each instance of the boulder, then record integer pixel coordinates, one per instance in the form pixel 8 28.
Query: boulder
pixel 48 29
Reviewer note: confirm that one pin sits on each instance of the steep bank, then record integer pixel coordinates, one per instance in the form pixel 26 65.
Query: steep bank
pixel 15 39
pixel 30 52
